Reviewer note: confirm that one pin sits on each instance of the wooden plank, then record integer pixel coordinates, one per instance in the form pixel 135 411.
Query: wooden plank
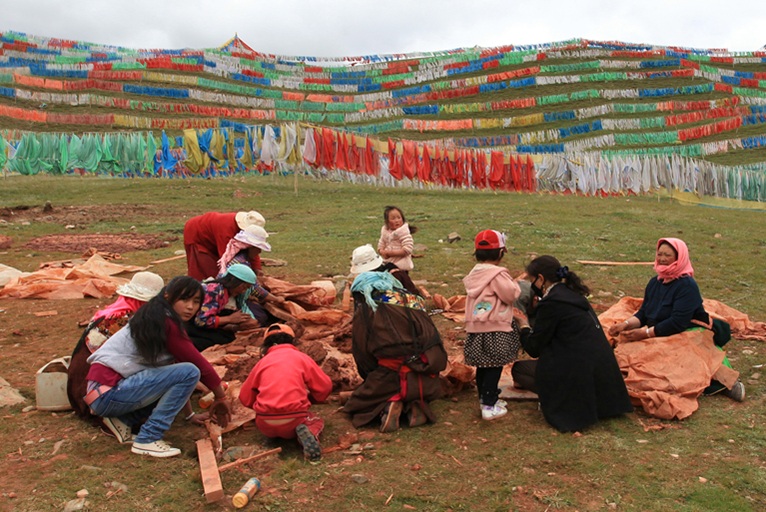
pixel 608 263
pixel 211 478
pixel 168 259
pixel 248 459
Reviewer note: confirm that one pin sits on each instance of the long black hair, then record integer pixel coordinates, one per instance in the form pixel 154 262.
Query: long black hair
pixel 147 326
pixel 388 209
pixel 550 268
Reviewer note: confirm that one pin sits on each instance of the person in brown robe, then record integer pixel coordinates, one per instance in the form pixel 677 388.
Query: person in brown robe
pixel 398 352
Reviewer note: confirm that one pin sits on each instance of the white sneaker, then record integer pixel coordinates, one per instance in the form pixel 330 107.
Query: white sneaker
pixel 157 448
pixel 501 403
pixel 120 430
pixel 491 412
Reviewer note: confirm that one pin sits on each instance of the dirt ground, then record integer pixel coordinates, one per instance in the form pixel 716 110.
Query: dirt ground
pixel 28 341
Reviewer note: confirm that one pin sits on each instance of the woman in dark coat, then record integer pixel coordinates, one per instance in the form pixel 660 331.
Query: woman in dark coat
pixel 398 352
pixel 576 376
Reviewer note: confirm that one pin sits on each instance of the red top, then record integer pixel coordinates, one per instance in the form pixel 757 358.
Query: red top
pixel 211 231
pixel 282 381
pixel 179 346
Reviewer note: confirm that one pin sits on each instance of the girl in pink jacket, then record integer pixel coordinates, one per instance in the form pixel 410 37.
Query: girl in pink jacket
pixel 395 246
pixel 491 342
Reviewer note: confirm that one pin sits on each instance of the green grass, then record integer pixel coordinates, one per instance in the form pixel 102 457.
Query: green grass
pixel 460 463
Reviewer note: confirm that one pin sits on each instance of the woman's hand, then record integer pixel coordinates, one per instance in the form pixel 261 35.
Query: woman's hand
pixel 220 411
pixel 634 334
pixel 248 325
pixel 617 328
pixel 237 318
pixel 200 418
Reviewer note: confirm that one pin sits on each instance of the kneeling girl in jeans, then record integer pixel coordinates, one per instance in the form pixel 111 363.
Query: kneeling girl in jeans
pixel 150 368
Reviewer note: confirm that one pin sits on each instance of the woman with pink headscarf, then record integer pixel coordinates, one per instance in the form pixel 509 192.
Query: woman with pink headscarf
pixel 672 304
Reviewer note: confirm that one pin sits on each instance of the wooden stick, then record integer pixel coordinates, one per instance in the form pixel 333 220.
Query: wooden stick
pixel 168 259
pixel 239 462
pixel 587 262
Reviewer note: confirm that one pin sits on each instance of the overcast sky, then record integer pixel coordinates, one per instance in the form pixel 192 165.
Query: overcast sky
pixel 332 28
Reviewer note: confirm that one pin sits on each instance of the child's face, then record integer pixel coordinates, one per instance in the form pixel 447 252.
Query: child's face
pixel 187 308
pixel 395 220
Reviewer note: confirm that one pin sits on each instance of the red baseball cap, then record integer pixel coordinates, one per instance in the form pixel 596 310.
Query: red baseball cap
pixel 489 239
pixel 277 328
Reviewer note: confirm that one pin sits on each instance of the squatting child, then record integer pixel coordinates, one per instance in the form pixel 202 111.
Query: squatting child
pixel 280 389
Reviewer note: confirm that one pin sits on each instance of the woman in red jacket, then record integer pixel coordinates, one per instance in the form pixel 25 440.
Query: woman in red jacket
pixel 206 237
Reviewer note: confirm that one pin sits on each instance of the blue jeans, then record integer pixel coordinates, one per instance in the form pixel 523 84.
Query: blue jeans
pixel 169 386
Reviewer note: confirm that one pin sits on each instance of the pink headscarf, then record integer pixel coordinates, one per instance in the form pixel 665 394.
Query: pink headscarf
pixel 679 268
pixel 118 308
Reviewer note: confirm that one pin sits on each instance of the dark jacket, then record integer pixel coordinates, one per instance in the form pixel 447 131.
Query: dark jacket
pixel 671 307
pixel 394 342
pixel 577 376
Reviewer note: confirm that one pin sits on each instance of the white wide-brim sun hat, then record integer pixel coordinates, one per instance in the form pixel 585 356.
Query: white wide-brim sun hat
pixel 143 286
pixel 364 259
pixel 254 236
pixel 250 218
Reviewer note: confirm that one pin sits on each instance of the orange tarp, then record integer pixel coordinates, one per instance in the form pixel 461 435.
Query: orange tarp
pixel 666 375
pixel 94 278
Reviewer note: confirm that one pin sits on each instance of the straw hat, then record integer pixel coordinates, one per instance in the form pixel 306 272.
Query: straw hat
pixel 143 286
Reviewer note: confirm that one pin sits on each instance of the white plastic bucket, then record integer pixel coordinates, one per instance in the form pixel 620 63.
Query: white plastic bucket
pixel 50 385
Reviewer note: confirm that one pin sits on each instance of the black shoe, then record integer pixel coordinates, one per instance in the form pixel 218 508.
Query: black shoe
pixel 737 392
pixel 389 421
pixel 311 448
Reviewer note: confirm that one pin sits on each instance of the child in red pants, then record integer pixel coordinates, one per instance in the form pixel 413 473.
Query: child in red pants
pixel 280 389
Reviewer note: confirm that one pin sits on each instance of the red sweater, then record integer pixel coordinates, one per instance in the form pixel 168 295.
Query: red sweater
pixel 212 231
pixel 282 382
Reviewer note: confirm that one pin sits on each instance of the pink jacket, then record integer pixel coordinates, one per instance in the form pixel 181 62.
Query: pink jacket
pixel 490 292
pixel 282 381
pixel 395 240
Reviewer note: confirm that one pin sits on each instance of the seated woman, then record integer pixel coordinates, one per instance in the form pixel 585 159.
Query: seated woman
pixel 150 368
pixel 281 388
pixel 221 315
pixel 243 249
pixel 672 304
pixel 398 352
pixel 576 376
pixel 105 322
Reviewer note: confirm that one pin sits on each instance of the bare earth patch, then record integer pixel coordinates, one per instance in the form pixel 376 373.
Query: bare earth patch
pixel 124 242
